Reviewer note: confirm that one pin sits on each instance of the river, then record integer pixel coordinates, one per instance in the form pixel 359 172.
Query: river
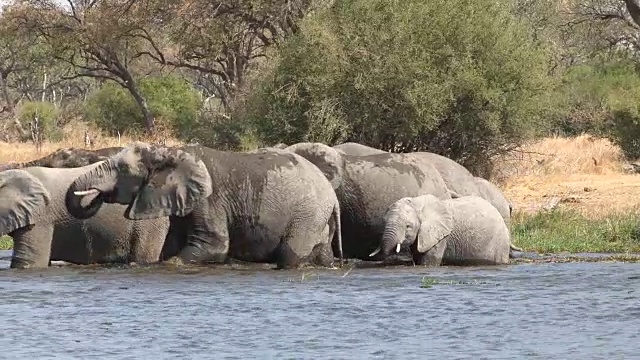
pixel 585 310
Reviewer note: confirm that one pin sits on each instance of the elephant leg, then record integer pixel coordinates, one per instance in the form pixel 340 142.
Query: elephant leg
pixel 432 257
pixel 208 240
pixel 32 246
pixel 146 241
pixel 298 245
pixel 322 255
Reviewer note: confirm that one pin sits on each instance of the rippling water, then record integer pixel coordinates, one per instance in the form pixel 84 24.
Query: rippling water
pixel 538 311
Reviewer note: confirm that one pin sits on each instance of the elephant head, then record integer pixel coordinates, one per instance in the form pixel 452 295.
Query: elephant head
pixel 329 160
pixel 425 219
pixel 23 196
pixel 153 181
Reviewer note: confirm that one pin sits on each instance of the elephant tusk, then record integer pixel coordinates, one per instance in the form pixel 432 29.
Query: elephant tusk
pixel 398 248
pixel 375 252
pixel 86 192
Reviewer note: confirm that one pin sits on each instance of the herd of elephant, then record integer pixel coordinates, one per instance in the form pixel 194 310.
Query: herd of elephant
pixel 304 204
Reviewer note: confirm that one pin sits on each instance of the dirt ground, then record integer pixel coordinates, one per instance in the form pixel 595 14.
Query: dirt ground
pixel 593 195
pixel 583 173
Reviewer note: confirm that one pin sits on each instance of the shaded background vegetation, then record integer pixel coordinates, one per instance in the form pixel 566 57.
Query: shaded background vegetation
pixel 467 79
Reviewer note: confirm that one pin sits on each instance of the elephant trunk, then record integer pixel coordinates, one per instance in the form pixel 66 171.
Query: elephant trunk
pixel 392 239
pixel 98 184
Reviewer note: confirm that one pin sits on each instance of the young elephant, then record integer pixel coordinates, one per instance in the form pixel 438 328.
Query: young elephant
pixel 269 206
pixel 33 212
pixel 462 231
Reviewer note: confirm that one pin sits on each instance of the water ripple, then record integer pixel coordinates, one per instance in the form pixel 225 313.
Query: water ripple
pixel 532 311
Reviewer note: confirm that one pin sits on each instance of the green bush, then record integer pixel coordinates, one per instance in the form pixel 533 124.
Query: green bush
pixel 172 100
pixel 461 78
pixel 47 115
pixel 600 97
pixel 596 98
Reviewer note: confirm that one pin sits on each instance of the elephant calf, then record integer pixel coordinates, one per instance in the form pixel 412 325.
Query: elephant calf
pixel 464 231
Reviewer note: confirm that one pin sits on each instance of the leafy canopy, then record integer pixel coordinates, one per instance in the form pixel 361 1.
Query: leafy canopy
pixel 454 77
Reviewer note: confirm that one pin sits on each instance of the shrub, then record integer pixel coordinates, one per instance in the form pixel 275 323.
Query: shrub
pixel 47 115
pixel 464 79
pixel 172 100
pixel 601 97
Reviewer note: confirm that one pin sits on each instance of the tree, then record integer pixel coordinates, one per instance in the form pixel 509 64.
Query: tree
pixel 220 40
pixel 103 40
pixel 465 79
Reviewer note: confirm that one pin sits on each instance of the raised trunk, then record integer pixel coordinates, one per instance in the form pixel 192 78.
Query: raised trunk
pixel 101 178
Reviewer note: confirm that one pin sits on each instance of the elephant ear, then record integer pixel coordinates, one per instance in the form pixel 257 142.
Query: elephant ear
pixel 436 221
pixel 23 196
pixel 329 160
pixel 177 182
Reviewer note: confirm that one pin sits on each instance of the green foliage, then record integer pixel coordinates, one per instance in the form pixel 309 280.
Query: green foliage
pixel 222 132
pixel 601 98
pixel 459 78
pixel 563 230
pixel 172 100
pixel 6 243
pixel 47 116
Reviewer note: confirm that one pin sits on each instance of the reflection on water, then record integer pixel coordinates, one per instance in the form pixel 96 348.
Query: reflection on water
pixel 542 311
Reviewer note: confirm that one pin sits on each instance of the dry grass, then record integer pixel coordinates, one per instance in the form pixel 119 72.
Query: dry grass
pixel 583 173
pixel 73 137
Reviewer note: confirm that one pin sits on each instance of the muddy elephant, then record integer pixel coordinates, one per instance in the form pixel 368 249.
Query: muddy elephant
pixel 66 158
pixel 366 186
pixel 490 192
pixel 459 180
pixel 353 148
pixel 462 231
pixel 268 206
pixel 34 214
pixel 70 242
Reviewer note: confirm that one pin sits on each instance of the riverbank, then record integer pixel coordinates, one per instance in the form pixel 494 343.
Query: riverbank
pixel 575 195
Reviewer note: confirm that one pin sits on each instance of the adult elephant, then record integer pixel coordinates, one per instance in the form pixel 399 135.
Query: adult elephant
pixel 66 158
pixel 33 213
pixel 366 186
pixel 356 149
pixel 268 206
pixel 459 180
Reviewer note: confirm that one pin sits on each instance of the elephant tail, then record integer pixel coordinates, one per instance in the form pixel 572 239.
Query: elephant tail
pixel 337 234
pixel 513 248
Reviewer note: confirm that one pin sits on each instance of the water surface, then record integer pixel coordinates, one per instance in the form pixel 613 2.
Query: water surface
pixel 585 310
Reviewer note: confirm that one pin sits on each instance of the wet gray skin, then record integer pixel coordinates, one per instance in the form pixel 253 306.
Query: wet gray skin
pixel 268 206
pixel 33 212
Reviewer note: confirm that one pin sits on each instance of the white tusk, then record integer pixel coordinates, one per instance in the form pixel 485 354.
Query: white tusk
pixel 86 192
pixel 398 248
pixel 376 251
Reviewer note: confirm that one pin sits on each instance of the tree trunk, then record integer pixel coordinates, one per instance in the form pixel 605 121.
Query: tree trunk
pixel 149 119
